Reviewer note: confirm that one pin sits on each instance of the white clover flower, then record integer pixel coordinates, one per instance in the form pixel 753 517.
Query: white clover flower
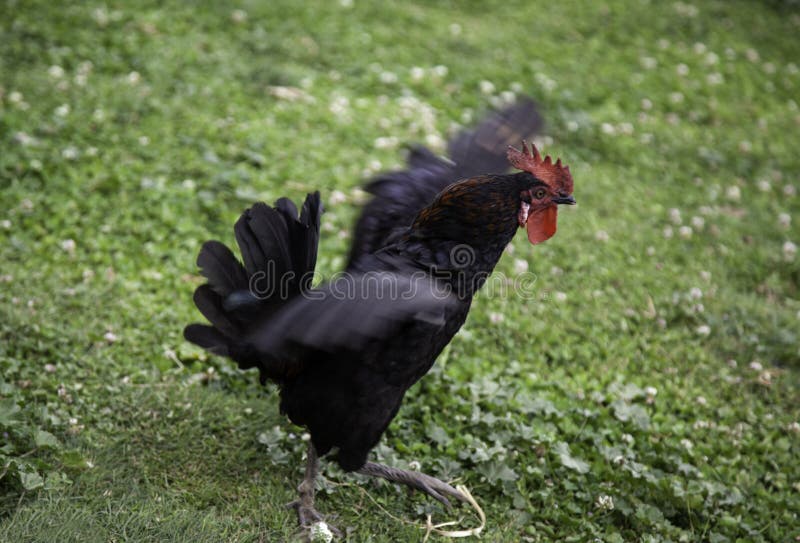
pixel 647 104
pixel 320 533
pixel 417 73
pixel 667 232
pixel 238 16
pixel 688 445
pixel 676 97
pixel 685 232
pixel 100 16
pixel 555 271
pixel 682 69
pixel 68 245
pixel 626 128
pixel 439 70
pixel 572 126
pixel 70 153
pixel 699 48
pixel 608 128
pixel 339 106
pixel 604 502
pixel 794 427
pixel 711 58
pixel 388 77
pixel 15 97
pixel 507 96
pixel 5 224
pixel 752 55
pixel 648 63
pixel 455 29
pixel 651 391
pixel 675 215
pixel 62 110
pixel 337 197
pixel 487 87
pixel 755 365
pixel 650 251
pixel 627 439
pixel 85 67
pixel 434 140
pixel 789 251
pixel 695 293
pixel 698 222
pixel 785 220
pixel 24 139
pixel 703 330
pixel 769 67
pixel 56 72
pixel 733 193
pixel 601 235
pixel 385 142
pixel 686 10
pixel 560 296
pixel 789 190
pixel 701 400
pixel 715 78
pixel 763 185
pixel 745 146
pixel 520 265
pixel 110 337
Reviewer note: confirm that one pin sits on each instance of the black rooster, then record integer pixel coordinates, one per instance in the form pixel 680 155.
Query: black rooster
pixel 345 353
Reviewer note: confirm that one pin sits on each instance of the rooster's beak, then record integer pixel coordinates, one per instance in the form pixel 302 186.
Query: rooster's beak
pixel 569 200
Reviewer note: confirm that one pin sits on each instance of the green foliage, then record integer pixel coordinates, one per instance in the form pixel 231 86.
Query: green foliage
pixel 646 391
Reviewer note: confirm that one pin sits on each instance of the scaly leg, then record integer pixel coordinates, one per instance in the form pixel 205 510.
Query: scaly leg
pixel 414 479
pixel 307 516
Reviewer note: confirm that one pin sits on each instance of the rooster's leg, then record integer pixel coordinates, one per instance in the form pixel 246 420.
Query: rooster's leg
pixel 414 479
pixel 304 504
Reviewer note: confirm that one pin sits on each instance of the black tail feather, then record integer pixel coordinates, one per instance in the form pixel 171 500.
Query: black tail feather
pixel 207 337
pixel 224 272
pixel 211 306
pixel 263 238
pixel 277 245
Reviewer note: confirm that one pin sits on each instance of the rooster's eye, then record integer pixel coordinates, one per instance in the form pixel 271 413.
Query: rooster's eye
pixel 539 194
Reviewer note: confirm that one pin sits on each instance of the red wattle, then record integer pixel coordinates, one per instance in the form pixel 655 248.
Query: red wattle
pixel 541 224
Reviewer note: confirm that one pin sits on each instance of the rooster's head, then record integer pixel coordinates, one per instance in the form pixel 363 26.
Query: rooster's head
pixel 550 185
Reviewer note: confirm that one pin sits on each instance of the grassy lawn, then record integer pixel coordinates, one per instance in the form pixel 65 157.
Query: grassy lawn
pixel 648 391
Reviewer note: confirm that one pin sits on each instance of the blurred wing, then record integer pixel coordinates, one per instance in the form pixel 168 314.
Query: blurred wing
pixel 352 311
pixel 398 196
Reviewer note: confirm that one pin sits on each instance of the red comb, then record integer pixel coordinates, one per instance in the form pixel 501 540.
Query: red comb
pixel 556 176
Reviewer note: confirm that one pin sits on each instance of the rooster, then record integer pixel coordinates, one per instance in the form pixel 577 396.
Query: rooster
pixel 344 354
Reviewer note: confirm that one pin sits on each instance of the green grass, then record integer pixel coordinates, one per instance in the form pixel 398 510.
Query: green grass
pixel 139 130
